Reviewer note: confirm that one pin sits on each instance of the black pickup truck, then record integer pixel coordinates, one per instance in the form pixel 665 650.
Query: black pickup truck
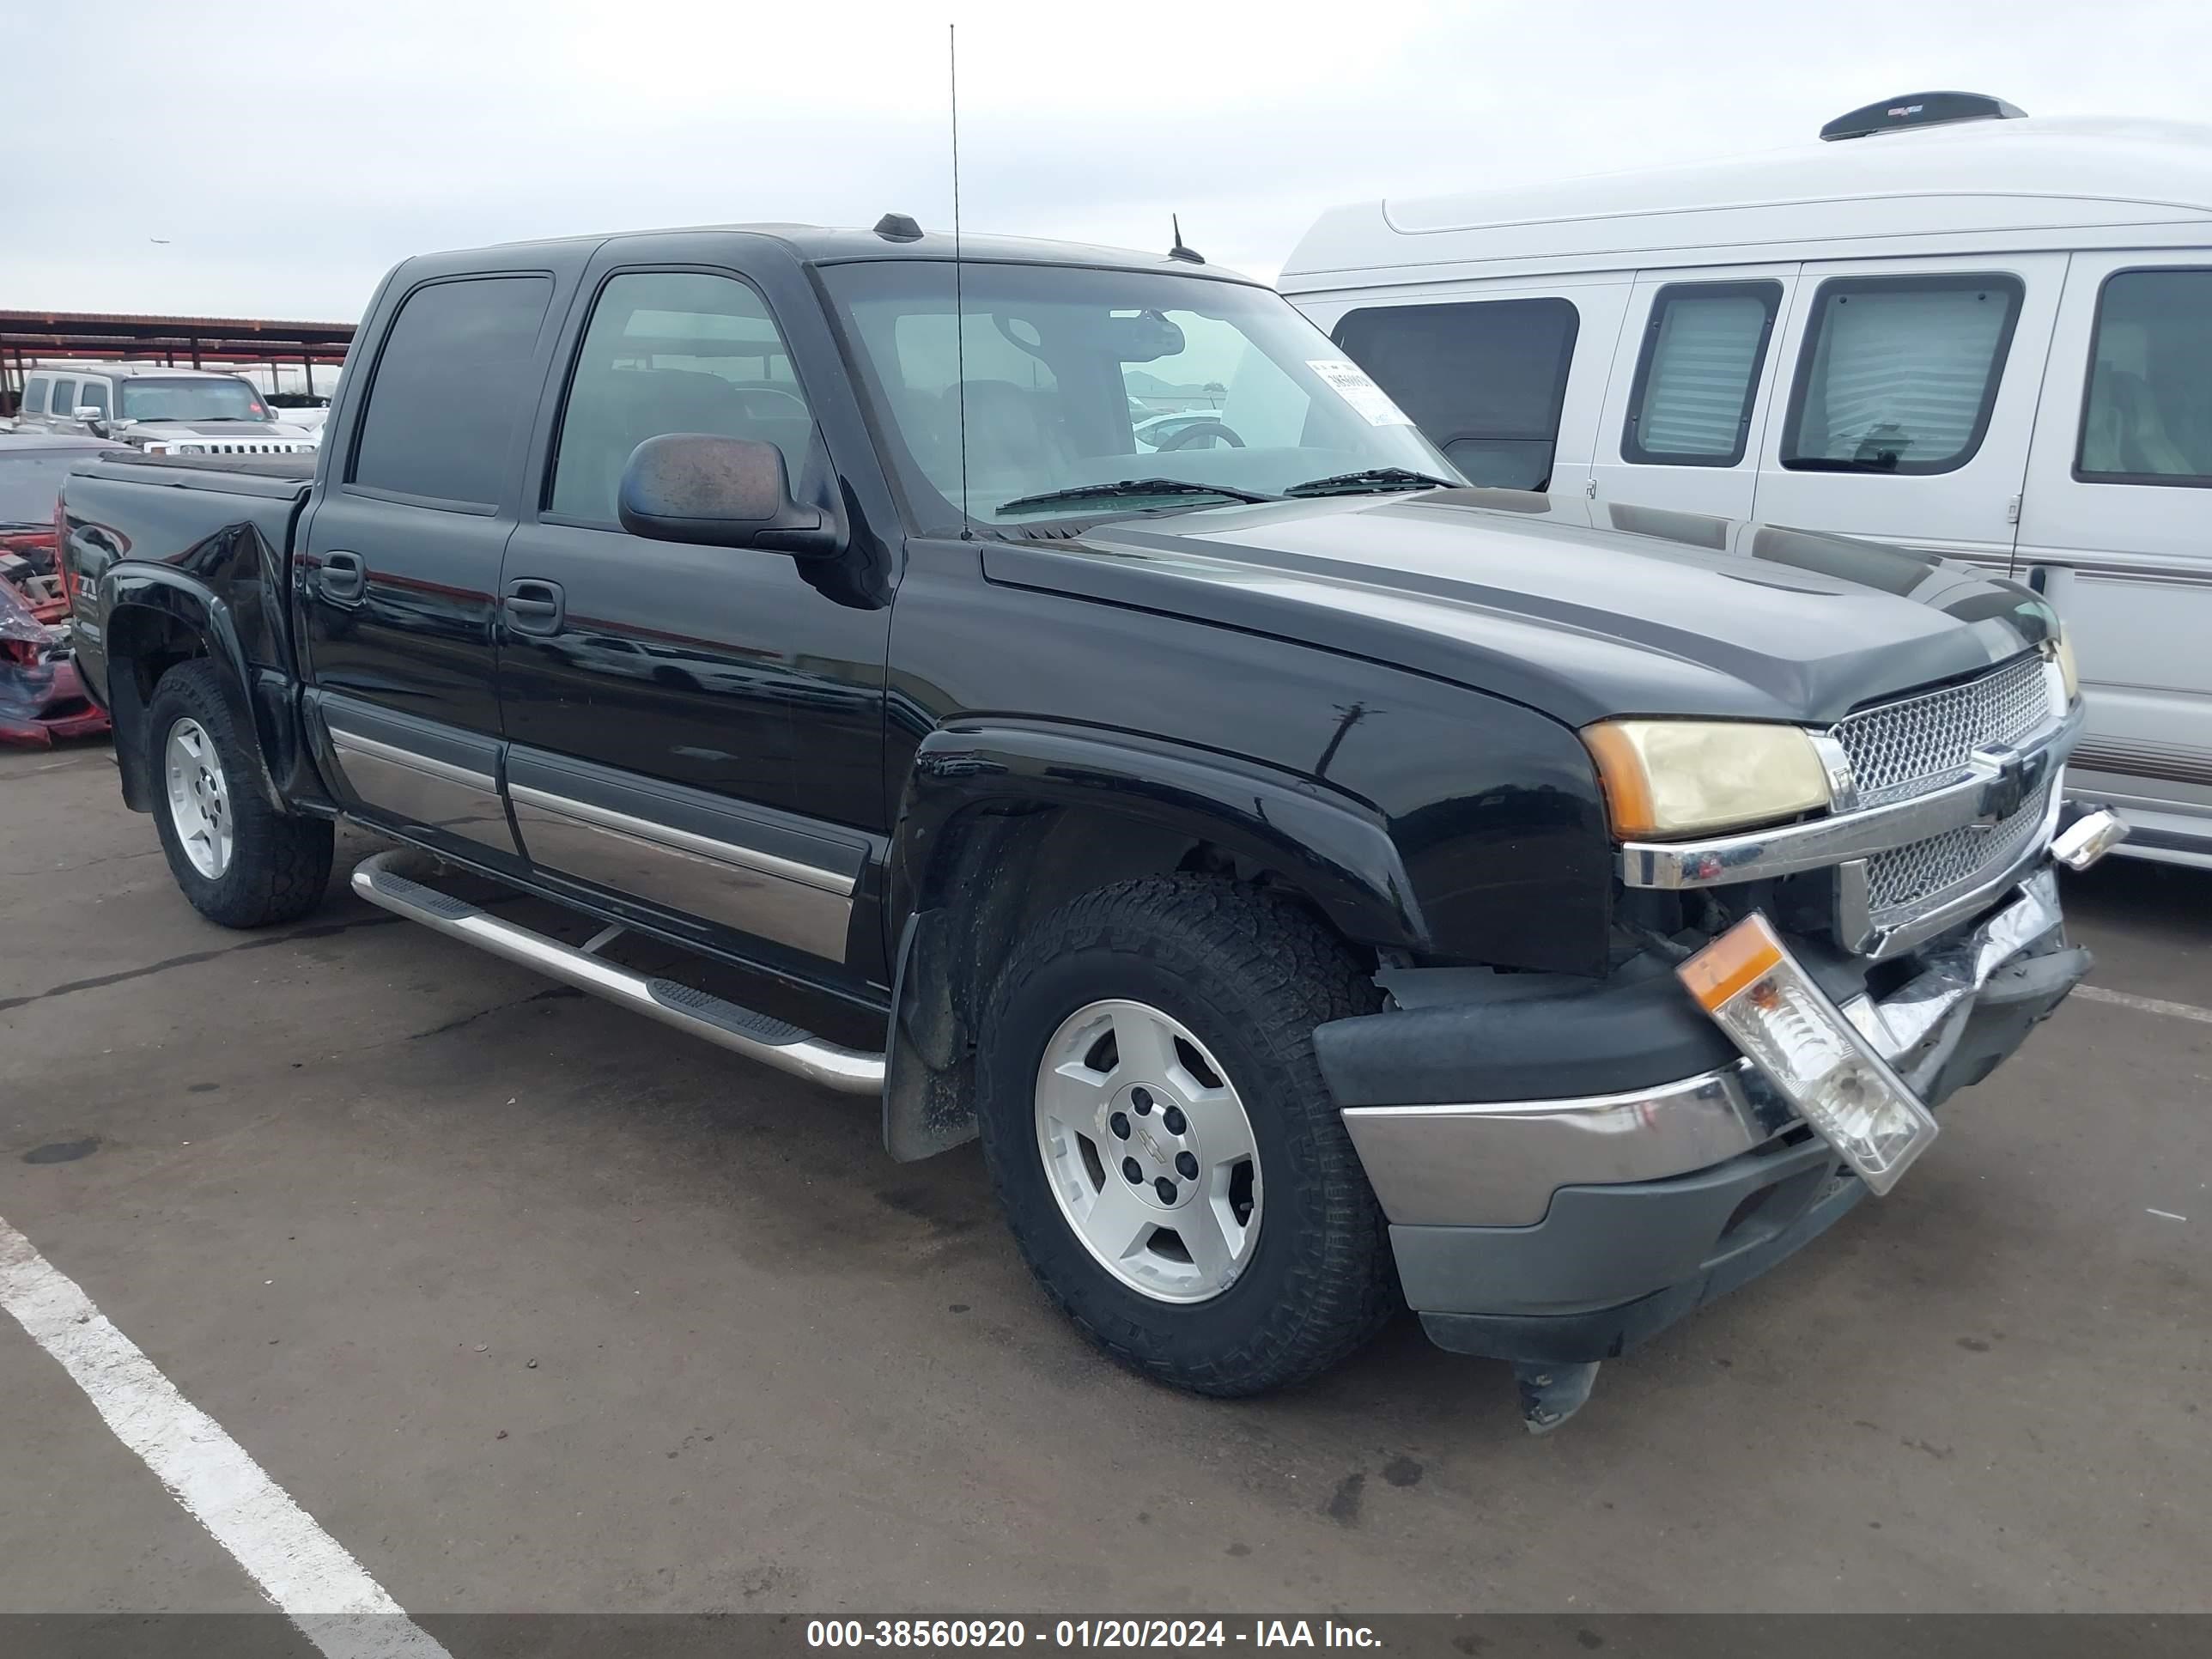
pixel 1324 886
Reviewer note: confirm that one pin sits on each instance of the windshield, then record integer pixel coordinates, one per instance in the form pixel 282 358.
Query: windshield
pixel 191 400
pixel 1076 381
pixel 30 484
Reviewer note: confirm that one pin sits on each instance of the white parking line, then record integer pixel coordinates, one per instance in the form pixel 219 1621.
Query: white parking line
pixel 2145 1005
pixel 302 1569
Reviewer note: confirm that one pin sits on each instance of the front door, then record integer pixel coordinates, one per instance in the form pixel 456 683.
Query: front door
pixel 698 728
pixel 2114 530
pixel 399 565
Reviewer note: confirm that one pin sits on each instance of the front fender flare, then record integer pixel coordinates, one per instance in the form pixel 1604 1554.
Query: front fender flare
pixel 1331 848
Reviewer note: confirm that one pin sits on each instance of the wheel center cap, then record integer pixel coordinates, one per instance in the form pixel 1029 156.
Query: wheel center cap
pixel 1154 1143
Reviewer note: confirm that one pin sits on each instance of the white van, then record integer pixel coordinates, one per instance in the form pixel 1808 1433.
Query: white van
pixel 1982 335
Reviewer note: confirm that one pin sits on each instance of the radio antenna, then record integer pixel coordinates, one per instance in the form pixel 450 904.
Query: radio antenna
pixel 959 313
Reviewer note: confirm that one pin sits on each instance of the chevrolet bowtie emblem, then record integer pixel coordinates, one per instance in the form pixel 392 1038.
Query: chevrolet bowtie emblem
pixel 2004 794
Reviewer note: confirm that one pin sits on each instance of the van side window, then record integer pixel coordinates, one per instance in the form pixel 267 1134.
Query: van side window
pixel 452 385
pixel 672 351
pixel 1697 375
pixel 34 397
pixel 93 392
pixel 1899 373
pixel 2147 417
pixel 1484 379
pixel 64 402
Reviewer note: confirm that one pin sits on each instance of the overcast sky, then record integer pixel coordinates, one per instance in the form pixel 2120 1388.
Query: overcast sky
pixel 273 160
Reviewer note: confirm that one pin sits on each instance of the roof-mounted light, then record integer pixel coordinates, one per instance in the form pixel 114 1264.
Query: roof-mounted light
pixel 1920 109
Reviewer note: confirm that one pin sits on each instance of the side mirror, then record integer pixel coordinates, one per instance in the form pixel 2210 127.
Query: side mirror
pixel 94 416
pixel 720 492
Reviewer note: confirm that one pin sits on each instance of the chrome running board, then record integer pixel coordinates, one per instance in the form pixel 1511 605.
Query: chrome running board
pixel 756 1035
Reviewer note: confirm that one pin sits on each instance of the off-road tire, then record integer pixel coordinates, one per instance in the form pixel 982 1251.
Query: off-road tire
pixel 280 864
pixel 1250 975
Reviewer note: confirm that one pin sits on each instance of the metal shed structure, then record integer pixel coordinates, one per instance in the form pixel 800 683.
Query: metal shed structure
pixel 188 342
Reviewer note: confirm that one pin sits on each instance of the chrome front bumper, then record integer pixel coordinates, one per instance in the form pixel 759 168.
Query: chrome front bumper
pixel 1498 1163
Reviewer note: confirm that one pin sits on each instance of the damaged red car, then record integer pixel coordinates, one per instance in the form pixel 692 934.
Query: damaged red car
pixel 41 699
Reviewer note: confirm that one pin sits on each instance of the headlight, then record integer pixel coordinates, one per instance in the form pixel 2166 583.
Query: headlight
pixel 2060 650
pixel 1666 778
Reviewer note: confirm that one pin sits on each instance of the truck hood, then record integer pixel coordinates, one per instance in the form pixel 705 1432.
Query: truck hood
pixel 1491 589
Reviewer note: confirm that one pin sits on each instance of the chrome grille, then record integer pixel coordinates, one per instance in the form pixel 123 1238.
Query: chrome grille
pixel 1900 881
pixel 1916 744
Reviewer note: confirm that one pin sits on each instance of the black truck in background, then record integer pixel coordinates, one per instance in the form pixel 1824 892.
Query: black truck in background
pixel 1289 860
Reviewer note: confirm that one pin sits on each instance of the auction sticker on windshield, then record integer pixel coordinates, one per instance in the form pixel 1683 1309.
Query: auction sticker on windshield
pixel 1350 382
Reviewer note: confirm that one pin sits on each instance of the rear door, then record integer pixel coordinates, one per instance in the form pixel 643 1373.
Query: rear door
pixel 2116 528
pixel 1677 451
pixel 396 570
pixel 698 729
pixel 1911 396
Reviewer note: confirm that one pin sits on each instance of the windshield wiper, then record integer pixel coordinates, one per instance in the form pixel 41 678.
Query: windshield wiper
pixel 1373 481
pixel 1129 487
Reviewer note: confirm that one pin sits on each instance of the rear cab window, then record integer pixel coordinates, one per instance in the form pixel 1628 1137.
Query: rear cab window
pixel 35 396
pixel 1697 373
pixel 452 390
pixel 1899 373
pixel 2147 418
pixel 62 403
pixel 1484 379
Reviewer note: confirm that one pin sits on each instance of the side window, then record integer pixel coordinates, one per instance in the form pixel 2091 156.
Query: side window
pixel 672 351
pixel 63 400
pixel 2147 417
pixel 1484 379
pixel 35 396
pixel 1899 373
pixel 451 386
pixel 1697 375
pixel 93 392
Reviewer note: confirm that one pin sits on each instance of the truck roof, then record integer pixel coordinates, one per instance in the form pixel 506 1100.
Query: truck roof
pixel 2054 181
pixel 822 244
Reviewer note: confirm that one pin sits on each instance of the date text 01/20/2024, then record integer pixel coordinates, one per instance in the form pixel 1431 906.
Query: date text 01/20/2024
pixel 1085 1634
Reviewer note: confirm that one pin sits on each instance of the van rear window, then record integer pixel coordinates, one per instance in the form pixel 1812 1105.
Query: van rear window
pixel 1483 378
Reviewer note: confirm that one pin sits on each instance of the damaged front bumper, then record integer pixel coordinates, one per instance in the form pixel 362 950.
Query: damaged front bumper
pixel 1568 1228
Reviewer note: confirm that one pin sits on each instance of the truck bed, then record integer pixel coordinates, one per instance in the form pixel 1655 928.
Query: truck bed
pixel 223 523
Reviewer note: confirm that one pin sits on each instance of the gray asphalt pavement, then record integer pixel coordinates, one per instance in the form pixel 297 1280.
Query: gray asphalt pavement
pixel 532 1304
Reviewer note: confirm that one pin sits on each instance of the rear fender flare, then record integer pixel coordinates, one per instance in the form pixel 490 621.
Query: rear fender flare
pixel 148 609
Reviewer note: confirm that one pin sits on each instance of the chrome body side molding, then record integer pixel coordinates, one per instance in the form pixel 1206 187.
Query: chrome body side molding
pixel 756 892
pixel 434 794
